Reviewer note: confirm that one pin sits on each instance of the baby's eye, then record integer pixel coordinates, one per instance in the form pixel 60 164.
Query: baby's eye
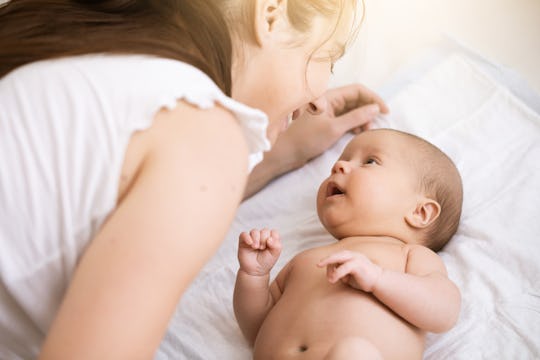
pixel 370 161
pixel 332 67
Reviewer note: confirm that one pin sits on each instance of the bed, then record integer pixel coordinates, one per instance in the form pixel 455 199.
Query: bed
pixel 487 119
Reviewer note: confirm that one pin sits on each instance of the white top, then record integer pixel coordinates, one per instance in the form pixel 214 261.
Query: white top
pixel 64 128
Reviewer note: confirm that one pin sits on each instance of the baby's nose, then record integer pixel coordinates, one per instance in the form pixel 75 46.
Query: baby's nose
pixel 342 167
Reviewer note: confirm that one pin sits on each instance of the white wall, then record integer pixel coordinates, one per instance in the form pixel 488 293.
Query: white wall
pixel 395 31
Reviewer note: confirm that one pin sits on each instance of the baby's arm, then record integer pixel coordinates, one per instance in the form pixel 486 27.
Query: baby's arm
pixel 423 295
pixel 258 251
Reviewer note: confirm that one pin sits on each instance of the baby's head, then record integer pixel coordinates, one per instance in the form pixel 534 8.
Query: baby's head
pixel 390 183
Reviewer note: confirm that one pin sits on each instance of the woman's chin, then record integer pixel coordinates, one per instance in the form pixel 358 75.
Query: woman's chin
pixel 276 129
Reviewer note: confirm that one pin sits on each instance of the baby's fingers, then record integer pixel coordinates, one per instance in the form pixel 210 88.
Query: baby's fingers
pixel 250 240
pixel 256 238
pixel 260 238
pixel 335 273
pixel 264 237
pixel 274 243
pixel 245 238
pixel 336 258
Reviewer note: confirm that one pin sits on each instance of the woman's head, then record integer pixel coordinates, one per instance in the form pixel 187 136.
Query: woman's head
pixel 283 51
pixel 281 60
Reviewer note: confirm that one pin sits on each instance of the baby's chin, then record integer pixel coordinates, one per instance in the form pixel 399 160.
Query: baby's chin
pixel 338 235
pixel 339 231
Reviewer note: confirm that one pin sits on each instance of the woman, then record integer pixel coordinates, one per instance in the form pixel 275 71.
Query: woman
pixel 124 158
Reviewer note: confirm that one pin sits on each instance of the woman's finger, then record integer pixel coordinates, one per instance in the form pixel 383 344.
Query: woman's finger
pixel 358 118
pixel 355 95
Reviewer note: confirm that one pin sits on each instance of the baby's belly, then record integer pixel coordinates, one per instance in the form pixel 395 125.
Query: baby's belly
pixel 297 328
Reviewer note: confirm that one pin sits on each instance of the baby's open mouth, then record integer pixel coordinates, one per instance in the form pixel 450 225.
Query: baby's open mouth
pixel 333 189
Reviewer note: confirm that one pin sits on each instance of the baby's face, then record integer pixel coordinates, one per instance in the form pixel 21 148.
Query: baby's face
pixel 371 187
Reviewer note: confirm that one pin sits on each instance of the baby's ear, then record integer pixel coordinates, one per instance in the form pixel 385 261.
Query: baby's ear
pixel 425 213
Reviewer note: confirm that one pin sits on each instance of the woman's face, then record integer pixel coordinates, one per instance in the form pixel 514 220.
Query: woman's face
pixel 282 74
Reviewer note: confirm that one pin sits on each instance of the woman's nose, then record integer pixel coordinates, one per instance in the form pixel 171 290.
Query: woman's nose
pixel 342 167
pixel 317 106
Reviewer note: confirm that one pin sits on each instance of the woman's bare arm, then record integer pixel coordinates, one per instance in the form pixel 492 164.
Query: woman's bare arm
pixel 171 221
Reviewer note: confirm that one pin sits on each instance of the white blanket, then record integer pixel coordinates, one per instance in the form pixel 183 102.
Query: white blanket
pixel 494 138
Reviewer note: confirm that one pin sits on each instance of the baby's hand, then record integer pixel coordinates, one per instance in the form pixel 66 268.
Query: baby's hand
pixel 353 269
pixel 258 251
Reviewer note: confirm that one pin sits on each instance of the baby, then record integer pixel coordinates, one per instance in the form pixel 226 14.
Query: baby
pixel 391 200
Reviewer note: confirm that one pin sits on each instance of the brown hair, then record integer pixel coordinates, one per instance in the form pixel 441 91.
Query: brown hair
pixel 441 181
pixel 191 31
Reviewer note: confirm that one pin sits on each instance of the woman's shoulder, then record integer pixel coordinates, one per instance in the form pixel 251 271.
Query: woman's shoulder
pixel 180 138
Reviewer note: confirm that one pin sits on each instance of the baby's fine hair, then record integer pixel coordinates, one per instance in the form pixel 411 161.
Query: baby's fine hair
pixel 438 179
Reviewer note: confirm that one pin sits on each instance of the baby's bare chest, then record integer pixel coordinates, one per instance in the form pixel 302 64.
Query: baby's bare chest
pixel 314 311
pixel 390 257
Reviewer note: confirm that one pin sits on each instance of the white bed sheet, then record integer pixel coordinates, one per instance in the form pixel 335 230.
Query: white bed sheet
pixel 494 138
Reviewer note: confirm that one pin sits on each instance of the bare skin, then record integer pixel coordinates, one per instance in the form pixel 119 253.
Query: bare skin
pixel 372 294
pixel 315 128
pixel 309 308
pixel 312 314
pixel 134 253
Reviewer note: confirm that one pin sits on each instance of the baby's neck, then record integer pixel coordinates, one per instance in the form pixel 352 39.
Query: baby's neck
pixel 364 239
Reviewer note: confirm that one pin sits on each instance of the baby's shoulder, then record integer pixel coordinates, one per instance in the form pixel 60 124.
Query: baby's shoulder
pixel 419 250
pixel 309 254
pixel 423 260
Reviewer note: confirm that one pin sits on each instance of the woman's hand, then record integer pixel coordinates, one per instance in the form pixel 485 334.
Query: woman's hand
pixel 258 251
pixel 315 128
pixel 322 122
